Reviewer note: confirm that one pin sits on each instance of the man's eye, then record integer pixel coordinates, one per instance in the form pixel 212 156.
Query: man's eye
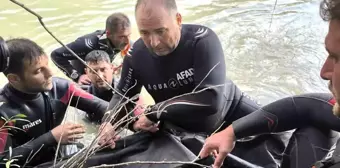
pixel 160 32
pixel 333 57
pixel 144 33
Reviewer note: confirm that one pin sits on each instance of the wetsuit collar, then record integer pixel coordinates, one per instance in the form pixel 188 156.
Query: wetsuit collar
pixel 103 94
pixel 20 94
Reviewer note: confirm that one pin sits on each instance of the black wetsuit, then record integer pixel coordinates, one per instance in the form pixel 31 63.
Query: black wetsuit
pixel 332 159
pixel 180 72
pixel 105 95
pixel 310 114
pixel 44 111
pixel 185 70
pixel 81 46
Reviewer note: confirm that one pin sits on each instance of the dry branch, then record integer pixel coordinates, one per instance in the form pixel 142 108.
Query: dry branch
pixel 150 162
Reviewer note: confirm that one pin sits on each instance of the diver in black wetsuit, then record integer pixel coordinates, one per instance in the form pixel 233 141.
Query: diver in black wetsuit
pixel 171 59
pixel 33 105
pixel 310 114
pixel 167 68
pixel 114 40
pixel 100 62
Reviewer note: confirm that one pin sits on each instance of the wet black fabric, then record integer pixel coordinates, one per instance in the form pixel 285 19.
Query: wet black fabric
pixel 142 147
pixel 162 146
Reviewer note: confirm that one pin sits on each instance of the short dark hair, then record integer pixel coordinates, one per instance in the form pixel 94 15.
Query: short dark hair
pixel 170 5
pixel 117 21
pixel 21 49
pixel 97 56
pixel 330 10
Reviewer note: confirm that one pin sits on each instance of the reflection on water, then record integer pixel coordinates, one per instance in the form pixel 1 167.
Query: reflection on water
pixel 268 63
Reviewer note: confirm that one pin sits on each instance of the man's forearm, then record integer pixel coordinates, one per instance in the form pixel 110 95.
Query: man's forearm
pixel 289 113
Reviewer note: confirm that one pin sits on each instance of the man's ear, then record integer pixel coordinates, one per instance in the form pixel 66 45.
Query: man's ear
pixel 13 78
pixel 179 19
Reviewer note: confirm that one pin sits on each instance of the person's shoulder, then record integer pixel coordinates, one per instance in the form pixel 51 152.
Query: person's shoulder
pixel 5 102
pixel 197 31
pixel 96 34
pixel 92 40
pixel 61 86
pixel 137 47
pixel 60 83
pixel 57 79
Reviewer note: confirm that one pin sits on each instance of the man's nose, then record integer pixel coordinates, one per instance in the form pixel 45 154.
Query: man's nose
pixel 154 41
pixel 101 74
pixel 327 69
pixel 48 73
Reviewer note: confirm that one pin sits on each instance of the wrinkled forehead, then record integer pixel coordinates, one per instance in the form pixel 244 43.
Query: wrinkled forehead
pixel 152 15
pixel 332 40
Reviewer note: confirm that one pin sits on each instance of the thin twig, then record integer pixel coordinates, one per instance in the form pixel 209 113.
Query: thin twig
pixel 272 15
pixel 108 120
pixel 29 158
pixel 160 108
pixel 205 76
pixel 150 162
pixel 56 153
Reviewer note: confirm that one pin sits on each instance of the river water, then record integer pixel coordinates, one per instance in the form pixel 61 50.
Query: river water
pixel 269 53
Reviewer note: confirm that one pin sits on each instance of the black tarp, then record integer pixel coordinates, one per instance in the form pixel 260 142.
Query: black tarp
pixel 162 146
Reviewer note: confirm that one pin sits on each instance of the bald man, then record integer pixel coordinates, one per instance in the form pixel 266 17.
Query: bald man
pixel 171 59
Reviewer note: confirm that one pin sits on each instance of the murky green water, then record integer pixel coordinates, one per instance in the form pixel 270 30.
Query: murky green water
pixel 266 62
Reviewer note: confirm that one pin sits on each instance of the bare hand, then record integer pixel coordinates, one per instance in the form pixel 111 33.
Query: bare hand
pixel 84 80
pixel 68 133
pixel 143 123
pixel 219 145
pixel 108 135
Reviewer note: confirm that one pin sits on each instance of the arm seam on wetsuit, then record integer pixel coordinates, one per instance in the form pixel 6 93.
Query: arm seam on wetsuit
pixel 313 98
pixel 179 102
pixel 274 123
